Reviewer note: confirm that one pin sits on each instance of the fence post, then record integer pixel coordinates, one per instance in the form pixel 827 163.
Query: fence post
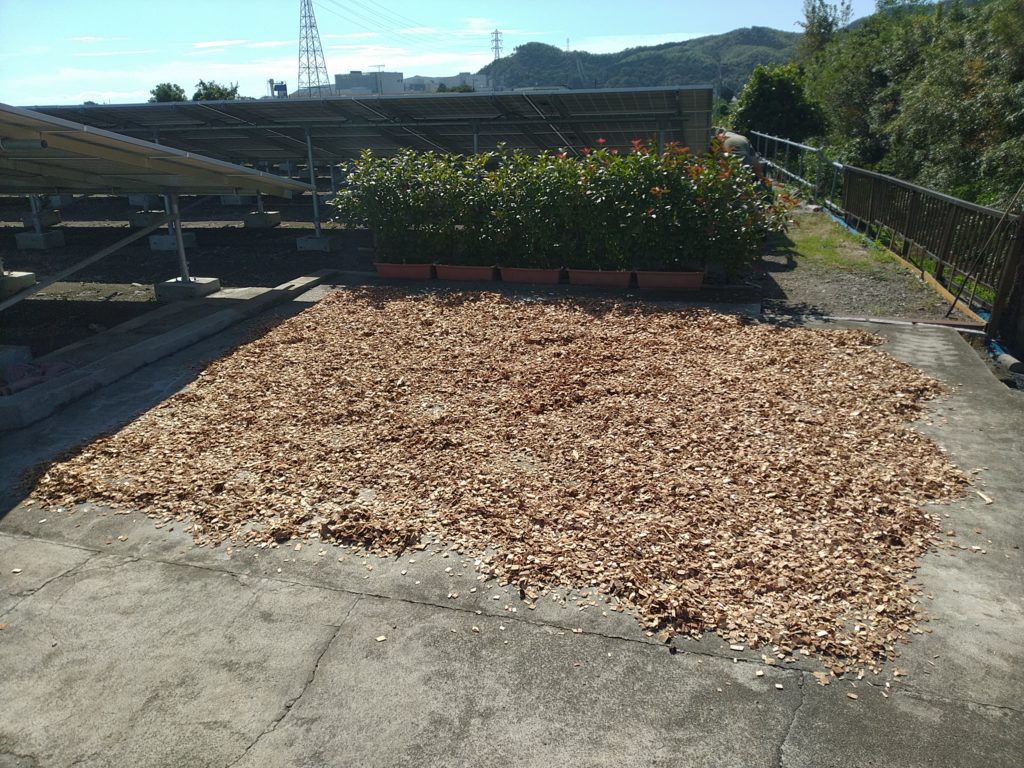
pixel 1010 290
pixel 941 253
pixel 911 218
pixel 871 207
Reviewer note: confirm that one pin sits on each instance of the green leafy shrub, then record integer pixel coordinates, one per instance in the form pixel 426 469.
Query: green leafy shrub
pixel 600 210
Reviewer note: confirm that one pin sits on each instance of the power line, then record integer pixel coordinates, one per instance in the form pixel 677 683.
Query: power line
pixel 362 16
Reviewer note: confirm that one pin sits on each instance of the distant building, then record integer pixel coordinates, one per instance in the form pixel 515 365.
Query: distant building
pixel 357 83
pixel 420 84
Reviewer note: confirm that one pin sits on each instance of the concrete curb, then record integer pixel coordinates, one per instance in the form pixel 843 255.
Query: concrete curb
pixel 36 403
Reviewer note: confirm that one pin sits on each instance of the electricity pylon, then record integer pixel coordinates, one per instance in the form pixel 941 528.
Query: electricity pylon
pixel 312 67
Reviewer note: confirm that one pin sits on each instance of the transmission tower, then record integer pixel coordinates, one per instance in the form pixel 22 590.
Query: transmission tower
pixel 312 67
pixel 496 44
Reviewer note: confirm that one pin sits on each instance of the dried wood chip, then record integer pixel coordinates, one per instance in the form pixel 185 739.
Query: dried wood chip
pixel 707 472
pixel 851 695
pixel 381 638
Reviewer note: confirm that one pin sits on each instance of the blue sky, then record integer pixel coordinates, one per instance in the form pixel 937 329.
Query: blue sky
pixel 70 51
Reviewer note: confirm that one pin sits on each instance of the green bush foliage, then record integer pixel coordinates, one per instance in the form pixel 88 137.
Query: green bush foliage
pixel 599 210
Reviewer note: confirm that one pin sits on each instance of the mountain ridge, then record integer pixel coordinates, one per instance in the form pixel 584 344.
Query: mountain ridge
pixel 724 60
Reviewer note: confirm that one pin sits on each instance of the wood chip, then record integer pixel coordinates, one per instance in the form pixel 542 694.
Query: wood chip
pixel 708 472
pixel 851 695
pixel 381 638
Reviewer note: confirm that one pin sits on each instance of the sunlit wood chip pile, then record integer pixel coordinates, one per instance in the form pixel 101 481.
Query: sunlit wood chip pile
pixel 709 473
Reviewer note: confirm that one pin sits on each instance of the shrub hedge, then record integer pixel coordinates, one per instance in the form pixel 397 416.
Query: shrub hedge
pixel 596 210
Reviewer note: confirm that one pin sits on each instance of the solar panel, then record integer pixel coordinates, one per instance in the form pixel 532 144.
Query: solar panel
pixel 273 131
pixel 41 153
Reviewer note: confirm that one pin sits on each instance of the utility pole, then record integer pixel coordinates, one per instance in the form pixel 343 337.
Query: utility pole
pixel 312 67
pixel 496 44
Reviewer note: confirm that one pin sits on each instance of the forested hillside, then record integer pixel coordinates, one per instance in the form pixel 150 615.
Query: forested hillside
pixel 933 94
pixel 723 60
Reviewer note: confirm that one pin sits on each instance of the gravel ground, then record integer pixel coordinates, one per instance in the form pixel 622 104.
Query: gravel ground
pixel 819 268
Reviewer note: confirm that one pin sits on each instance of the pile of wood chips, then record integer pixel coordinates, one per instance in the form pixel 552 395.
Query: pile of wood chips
pixel 707 472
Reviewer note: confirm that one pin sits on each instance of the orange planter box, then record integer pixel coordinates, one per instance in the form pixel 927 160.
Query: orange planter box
pixel 459 272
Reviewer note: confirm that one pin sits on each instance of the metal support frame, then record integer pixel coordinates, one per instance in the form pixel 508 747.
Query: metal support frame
pixel 312 183
pixel 175 225
pixel 259 201
pixel 37 213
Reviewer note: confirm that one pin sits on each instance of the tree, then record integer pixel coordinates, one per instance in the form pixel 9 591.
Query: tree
pixel 822 21
pixel 167 92
pixel 214 91
pixel 774 101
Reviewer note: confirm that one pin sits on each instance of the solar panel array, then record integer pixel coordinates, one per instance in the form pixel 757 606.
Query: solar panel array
pixel 269 132
pixel 45 154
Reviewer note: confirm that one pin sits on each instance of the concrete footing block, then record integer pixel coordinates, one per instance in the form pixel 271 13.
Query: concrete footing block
pixel 169 243
pixel 140 219
pixel 13 282
pixel 47 218
pixel 36 241
pixel 179 290
pixel 314 243
pixel 265 220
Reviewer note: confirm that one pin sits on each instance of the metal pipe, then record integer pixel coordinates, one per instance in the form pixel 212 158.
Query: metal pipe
pixel 15 144
pixel 312 183
pixel 176 213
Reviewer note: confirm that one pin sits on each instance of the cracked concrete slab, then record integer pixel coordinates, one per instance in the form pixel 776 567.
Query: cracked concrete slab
pixel 26 565
pixel 130 663
pixel 439 692
pixel 171 654
pixel 833 731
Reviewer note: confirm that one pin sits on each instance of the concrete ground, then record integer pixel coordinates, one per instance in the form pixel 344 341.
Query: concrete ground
pixel 125 645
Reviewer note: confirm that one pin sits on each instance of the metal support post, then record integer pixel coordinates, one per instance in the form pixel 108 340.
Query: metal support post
pixel 168 213
pixel 37 213
pixel 175 212
pixel 312 183
pixel 476 138
pixel 259 201
pixel 661 139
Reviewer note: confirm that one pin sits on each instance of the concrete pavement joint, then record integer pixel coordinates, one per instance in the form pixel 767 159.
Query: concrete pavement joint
pixel 780 753
pixel 240 577
pixel 305 686
pixel 69 572
pixel 721 655
pixel 916 693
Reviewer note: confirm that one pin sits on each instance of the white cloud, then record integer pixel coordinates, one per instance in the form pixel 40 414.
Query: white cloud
pixel 219 43
pixel 271 44
pixel 104 54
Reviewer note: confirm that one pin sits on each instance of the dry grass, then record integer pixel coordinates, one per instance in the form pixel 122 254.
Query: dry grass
pixel 713 474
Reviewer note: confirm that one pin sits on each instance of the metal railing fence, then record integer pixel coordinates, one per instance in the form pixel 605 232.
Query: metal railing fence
pixel 964 246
